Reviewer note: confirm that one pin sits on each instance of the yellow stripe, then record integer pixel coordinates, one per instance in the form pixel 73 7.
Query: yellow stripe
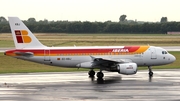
pixel 142 49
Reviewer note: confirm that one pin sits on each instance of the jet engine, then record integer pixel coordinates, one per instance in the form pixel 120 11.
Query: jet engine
pixel 127 68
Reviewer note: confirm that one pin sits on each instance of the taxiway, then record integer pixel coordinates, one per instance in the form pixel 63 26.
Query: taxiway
pixel 77 86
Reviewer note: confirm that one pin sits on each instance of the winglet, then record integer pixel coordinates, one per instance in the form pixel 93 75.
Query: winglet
pixel 23 37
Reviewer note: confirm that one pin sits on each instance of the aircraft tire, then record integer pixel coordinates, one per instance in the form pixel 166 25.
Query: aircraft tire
pixel 100 75
pixel 91 73
pixel 150 74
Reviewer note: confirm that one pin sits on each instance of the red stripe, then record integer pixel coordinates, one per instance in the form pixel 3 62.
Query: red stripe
pixel 62 51
pixel 132 48
pixel 19 39
pixel 68 51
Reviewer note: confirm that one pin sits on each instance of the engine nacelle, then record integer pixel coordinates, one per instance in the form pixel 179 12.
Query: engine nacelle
pixel 127 68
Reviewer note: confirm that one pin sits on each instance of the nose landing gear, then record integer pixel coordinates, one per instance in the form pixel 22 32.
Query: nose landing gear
pixel 150 71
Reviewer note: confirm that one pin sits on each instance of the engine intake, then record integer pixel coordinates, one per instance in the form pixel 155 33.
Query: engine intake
pixel 127 68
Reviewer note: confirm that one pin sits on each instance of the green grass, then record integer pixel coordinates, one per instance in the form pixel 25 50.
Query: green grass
pixel 13 65
pixel 60 39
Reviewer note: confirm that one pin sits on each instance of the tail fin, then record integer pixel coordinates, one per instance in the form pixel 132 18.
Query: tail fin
pixel 22 36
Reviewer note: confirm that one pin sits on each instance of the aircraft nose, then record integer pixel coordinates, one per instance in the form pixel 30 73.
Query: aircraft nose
pixel 172 58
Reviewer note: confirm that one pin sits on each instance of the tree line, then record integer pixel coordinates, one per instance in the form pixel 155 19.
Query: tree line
pixel 123 26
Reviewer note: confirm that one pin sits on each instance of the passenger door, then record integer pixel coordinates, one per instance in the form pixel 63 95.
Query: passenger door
pixel 153 53
pixel 46 55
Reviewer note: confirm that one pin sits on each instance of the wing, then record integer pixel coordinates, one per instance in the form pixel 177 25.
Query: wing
pixel 107 62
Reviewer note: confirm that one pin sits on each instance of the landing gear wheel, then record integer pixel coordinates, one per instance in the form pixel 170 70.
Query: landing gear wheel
pixel 91 73
pixel 100 80
pixel 150 74
pixel 100 75
pixel 150 71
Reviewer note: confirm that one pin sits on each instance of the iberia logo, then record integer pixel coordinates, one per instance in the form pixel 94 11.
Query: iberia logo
pixel 22 36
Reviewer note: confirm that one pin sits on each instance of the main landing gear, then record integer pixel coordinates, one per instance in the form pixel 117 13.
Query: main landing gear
pixel 150 71
pixel 99 74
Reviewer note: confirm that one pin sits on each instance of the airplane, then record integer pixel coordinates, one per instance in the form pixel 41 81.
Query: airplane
pixel 121 59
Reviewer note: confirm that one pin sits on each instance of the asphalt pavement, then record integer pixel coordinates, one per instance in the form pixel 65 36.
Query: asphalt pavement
pixel 77 86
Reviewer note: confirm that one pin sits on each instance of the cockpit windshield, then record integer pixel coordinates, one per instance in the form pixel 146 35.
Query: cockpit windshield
pixel 164 52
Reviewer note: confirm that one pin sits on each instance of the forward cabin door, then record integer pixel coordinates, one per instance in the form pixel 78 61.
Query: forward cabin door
pixel 47 55
pixel 153 53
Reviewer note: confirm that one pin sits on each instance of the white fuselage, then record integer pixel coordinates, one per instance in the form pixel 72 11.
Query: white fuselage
pixel 151 57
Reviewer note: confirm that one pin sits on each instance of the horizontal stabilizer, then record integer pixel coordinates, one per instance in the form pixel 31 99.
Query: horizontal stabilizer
pixel 26 54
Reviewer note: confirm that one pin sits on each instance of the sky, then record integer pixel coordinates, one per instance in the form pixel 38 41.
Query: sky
pixel 91 10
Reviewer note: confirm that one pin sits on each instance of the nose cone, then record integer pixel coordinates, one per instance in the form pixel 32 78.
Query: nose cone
pixel 172 58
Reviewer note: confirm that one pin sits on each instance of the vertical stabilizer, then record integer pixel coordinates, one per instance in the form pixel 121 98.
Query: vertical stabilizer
pixel 22 36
